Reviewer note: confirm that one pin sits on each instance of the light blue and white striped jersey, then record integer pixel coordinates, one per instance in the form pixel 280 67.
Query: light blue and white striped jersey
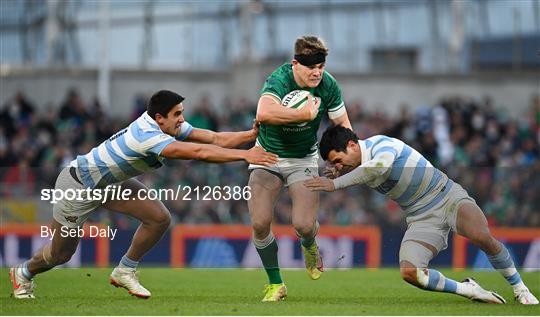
pixel 412 181
pixel 130 152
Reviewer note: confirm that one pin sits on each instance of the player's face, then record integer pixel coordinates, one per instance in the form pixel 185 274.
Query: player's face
pixel 308 76
pixel 345 162
pixel 171 124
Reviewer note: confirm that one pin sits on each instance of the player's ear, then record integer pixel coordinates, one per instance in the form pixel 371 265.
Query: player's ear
pixel 159 118
pixel 352 145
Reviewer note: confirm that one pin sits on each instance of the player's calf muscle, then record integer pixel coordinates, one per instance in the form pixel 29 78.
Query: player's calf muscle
pixel 487 243
pixel 160 218
pixel 61 258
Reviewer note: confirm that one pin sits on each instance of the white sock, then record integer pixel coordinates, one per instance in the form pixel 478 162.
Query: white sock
pixel 519 287
pixel 464 289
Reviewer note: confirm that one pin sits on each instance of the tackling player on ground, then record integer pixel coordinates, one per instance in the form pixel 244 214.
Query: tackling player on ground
pixel 292 134
pixel 433 204
pixel 158 134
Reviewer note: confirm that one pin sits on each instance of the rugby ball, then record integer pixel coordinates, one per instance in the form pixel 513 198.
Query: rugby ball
pixel 296 99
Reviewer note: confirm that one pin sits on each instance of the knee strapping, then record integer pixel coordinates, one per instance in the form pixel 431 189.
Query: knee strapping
pixel 415 253
pixel 422 277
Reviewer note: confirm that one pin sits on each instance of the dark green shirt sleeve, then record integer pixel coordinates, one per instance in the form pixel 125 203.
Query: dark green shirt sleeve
pixel 335 98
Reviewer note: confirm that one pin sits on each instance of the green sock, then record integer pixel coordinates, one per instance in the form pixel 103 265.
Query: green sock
pixel 269 258
pixel 274 277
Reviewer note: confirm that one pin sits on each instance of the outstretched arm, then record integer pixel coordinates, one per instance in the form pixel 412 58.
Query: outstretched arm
pixel 215 154
pixel 360 175
pixel 366 172
pixel 223 139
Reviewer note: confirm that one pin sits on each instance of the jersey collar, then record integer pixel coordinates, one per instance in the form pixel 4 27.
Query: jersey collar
pixel 150 120
pixel 364 153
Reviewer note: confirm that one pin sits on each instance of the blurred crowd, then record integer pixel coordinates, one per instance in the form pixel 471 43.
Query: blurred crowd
pixel 493 155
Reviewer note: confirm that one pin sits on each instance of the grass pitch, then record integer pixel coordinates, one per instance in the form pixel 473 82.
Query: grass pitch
pixel 86 291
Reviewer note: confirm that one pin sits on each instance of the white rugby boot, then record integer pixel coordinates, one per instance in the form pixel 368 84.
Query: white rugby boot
pixel 128 279
pixel 525 297
pixel 478 294
pixel 22 287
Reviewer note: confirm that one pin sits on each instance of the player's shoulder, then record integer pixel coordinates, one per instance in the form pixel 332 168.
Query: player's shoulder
pixel 283 72
pixel 144 128
pixel 329 77
pixel 279 82
pixel 383 143
pixel 145 123
pixel 379 138
pixel 329 80
pixel 328 85
pixel 283 75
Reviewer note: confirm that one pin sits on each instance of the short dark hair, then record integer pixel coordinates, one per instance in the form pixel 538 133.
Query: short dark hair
pixel 310 45
pixel 162 102
pixel 336 138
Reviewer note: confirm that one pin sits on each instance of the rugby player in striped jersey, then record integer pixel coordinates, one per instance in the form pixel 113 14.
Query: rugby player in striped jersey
pixel 158 134
pixel 433 205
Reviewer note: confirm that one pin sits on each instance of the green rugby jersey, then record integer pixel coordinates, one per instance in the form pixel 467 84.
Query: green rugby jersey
pixel 294 140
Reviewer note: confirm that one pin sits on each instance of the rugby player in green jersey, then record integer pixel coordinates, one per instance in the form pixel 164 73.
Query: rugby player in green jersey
pixel 292 134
